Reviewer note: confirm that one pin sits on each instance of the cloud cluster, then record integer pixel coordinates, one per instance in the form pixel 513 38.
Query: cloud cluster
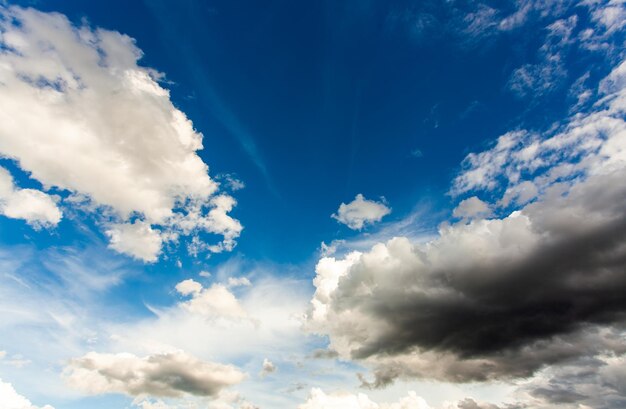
pixel 540 284
pixel 10 399
pixel 162 375
pixel 80 116
pixel 360 212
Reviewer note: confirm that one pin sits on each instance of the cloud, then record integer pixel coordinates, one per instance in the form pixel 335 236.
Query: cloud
pixel 34 206
pixel 10 399
pixel 267 368
pixel 360 212
pixel 318 399
pixel 136 239
pixel 216 301
pixel 239 282
pixel 588 382
pixel 539 285
pixel 472 208
pixel 82 117
pixel 162 375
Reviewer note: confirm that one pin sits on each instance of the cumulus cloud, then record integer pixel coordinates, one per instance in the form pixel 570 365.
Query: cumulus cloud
pixel 587 382
pixel 136 239
pixel 360 212
pixel 10 399
pixel 34 206
pixel 216 301
pixel 171 374
pixel 81 116
pixel 501 298
pixel 472 208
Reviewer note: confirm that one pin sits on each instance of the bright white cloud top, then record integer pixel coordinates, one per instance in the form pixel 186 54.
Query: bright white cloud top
pixel 127 149
pixel 10 399
pixel 361 212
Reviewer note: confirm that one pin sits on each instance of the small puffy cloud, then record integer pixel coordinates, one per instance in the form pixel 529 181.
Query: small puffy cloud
pixel 79 114
pixel 10 399
pixel 34 206
pixel 172 374
pixel 360 212
pixel 239 282
pixel 318 399
pixel 216 301
pixel 137 239
pixel 472 208
pixel 188 287
pixel 267 368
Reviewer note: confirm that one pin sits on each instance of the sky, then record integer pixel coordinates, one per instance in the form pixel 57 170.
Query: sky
pixel 313 205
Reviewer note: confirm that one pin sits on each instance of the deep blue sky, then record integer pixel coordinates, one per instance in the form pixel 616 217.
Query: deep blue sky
pixel 310 103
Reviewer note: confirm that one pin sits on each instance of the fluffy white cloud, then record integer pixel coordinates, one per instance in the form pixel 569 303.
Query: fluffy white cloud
pixel 163 375
pixel 34 206
pixel 361 212
pixel 318 399
pixel 10 399
pixel 136 239
pixel 472 208
pixel 216 301
pixel 79 114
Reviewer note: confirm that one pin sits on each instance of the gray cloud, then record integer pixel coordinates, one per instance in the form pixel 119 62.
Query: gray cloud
pixel 161 375
pixel 501 297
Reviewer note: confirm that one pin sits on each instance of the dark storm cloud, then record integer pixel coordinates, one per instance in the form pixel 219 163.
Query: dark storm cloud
pixel 538 285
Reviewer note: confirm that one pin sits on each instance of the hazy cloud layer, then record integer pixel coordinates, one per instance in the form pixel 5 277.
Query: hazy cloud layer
pixel 161 375
pixel 125 147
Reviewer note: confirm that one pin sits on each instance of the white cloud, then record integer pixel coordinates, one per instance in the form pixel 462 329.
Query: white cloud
pixel 188 287
pixel 10 399
pixel 34 206
pixel 136 239
pixel 81 115
pixel 361 212
pixel 216 301
pixel 239 282
pixel 162 375
pixel 268 367
pixel 472 208
pixel 318 399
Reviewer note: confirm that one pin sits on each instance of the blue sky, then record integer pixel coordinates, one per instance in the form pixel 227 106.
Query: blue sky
pixel 224 192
